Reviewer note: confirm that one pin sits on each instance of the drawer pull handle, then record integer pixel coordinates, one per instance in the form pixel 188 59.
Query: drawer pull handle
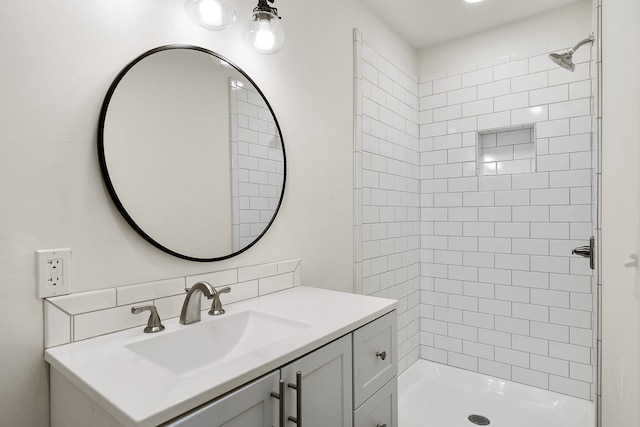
pixel 382 425
pixel 298 388
pixel 382 355
pixel 280 396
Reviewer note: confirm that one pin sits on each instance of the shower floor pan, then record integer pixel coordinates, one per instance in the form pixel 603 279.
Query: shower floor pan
pixel 434 395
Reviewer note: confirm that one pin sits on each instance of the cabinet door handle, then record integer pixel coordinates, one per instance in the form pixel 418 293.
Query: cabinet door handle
pixel 382 354
pixel 280 396
pixel 298 388
pixel 381 425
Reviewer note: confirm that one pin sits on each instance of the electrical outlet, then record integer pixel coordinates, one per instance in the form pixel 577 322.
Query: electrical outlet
pixel 53 272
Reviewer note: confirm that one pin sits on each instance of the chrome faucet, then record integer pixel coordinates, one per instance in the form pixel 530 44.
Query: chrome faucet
pixel 192 305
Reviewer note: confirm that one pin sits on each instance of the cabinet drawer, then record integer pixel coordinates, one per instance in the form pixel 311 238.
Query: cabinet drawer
pixel 381 409
pixel 374 357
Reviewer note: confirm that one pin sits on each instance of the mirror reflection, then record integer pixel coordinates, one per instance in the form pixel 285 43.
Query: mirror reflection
pixel 191 153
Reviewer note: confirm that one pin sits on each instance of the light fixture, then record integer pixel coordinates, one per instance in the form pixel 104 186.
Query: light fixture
pixel 211 14
pixel 264 33
pixel 473 1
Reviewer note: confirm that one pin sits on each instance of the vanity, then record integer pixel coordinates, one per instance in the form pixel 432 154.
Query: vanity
pixel 301 356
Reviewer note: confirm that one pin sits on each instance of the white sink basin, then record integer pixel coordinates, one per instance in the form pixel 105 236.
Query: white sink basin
pixel 218 340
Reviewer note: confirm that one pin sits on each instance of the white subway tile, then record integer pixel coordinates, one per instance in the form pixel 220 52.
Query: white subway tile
pixel 434 354
pixel 219 278
pixel 512 229
pixel 444 314
pixel 466 154
pixel 463 302
pixel 529 377
pixel 495 276
pixel 530 180
pixel 529 115
pixel 447 84
pixel 581 160
pixel 170 307
pixel 481 290
pixel 480 198
pixel 494 120
pixel 511 102
pixel 476 229
pixel 495 245
pixel 511 69
pixel 550 298
pixel 549 95
pixel 463 184
pixel 433 101
pixel 550 264
pixel 553 128
pixel 463 243
pixel 531 246
pixel 581 301
pixel 476 108
pixel 85 302
pixel 488 183
pixel 448 228
pixel 462 95
pixel 57 326
pixel 478 77
pixel 494 214
pixel 549 365
pixel 565 282
pixel 515 262
pixel 572 213
pixel 491 90
pixel 530 312
pixel 494 369
pixel 479 320
pixel 529 82
pixel 549 331
pixel 531 214
pixel 581 89
pixel 462 125
pixel 478 259
pixel 447 113
pixel 444 142
pixel 570 386
pixel 463 214
pixel 581 372
pixel 483 351
pixel 511 325
pixel 530 344
pixel 512 293
pixel 570 352
pixel 447 343
pixel 531 279
pixel 512 357
pixel 570 144
pixel 463 273
pixel 267 285
pixel 150 290
pixel 556 196
pixel 102 322
pixel 578 107
pixel 512 198
pixel 447 200
pixel 569 317
pixel 447 257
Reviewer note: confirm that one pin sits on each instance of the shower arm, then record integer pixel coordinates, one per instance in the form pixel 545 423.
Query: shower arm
pixel 590 39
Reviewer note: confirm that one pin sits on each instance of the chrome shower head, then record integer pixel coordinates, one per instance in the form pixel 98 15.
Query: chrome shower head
pixel 565 60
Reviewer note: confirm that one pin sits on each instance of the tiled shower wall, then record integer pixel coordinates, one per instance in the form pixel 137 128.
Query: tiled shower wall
pixel 257 163
pixel 387 195
pixel 501 292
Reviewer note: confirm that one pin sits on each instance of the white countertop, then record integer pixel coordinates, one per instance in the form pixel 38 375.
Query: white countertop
pixel 138 392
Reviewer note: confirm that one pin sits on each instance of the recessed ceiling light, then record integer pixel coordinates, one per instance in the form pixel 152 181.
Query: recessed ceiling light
pixel 473 1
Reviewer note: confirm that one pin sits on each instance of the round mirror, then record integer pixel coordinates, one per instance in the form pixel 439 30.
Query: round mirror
pixel 191 153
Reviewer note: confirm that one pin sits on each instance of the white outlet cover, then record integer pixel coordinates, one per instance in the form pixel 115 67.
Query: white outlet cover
pixel 56 281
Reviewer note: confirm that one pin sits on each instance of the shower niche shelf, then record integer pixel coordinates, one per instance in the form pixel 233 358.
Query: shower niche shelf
pixel 505 151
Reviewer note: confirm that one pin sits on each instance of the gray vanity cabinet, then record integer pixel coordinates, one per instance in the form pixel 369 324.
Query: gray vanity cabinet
pixel 250 406
pixel 325 376
pixel 320 382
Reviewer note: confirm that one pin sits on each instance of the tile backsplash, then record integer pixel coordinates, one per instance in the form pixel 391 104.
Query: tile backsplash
pixel 85 315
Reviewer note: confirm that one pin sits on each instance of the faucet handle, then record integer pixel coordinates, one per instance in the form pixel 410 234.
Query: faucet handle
pixel 216 305
pixel 154 324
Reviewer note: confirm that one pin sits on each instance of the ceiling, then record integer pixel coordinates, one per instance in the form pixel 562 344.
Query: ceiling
pixel 425 23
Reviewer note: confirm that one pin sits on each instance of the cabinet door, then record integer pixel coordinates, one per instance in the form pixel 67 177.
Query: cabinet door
pixel 250 406
pixel 326 391
pixel 374 356
pixel 381 409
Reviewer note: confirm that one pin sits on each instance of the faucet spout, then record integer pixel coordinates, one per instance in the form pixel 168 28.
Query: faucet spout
pixel 192 305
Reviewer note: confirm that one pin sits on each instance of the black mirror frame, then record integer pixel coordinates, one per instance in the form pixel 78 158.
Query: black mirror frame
pixel 105 171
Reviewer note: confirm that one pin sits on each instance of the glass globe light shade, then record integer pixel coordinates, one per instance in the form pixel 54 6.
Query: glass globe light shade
pixel 264 33
pixel 211 14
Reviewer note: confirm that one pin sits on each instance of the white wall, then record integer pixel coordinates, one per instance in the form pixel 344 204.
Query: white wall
pixel 58 61
pixel 620 213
